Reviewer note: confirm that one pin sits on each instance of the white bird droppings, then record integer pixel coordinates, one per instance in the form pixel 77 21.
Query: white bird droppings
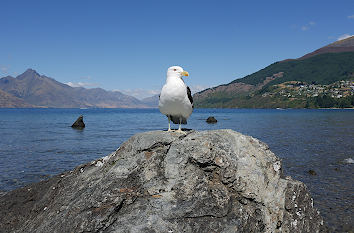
pixel 99 164
pixel 276 166
pixel 294 223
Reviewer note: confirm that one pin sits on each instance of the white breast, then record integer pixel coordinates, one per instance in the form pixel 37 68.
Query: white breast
pixel 174 99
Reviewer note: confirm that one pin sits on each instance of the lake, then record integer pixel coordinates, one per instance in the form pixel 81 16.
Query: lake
pixel 38 143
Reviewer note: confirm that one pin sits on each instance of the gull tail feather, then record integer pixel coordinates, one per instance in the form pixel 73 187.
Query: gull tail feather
pixel 175 120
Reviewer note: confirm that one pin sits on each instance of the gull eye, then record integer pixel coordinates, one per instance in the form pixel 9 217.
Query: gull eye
pixel 174 69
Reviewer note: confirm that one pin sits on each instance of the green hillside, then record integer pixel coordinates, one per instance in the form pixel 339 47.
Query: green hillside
pixel 316 73
pixel 321 69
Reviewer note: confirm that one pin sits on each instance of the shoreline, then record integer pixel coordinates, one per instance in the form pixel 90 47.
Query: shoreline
pixel 195 108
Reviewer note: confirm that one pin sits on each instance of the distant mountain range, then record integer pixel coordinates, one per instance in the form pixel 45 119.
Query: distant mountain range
pixel 9 101
pixel 31 89
pixel 312 80
pixel 151 101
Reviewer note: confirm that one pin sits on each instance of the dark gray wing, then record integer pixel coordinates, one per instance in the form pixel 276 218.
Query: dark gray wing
pixel 189 93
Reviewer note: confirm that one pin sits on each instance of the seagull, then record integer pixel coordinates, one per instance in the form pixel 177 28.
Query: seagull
pixel 175 100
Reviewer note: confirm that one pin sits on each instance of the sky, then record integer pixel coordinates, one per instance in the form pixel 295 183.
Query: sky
pixel 128 45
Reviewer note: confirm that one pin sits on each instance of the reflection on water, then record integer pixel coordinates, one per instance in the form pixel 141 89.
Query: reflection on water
pixel 36 143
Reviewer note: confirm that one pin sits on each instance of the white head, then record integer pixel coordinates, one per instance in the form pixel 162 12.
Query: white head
pixel 176 71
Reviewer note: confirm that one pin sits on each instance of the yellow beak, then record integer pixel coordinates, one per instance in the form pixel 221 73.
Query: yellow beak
pixel 185 73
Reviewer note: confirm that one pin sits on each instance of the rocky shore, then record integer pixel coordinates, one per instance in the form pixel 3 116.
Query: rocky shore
pixel 208 181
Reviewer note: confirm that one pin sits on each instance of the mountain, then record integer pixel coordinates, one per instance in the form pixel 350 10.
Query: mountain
pixel 9 101
pixel 152 101
pixel 292 83
pixel 341 46
pixel 34 89
pixel 98 97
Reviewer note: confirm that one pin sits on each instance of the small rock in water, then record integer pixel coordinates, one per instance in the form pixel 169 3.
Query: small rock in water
pixel 79 123
pixel 312 172
pixel 211 120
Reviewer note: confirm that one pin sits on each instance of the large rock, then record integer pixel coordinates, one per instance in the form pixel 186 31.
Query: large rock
pixel 209 181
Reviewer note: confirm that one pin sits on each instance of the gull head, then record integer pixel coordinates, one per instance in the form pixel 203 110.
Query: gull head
pixel 176 71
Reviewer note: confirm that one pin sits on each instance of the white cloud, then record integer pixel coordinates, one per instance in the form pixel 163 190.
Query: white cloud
pixel 82 84
pixel 4 69
pixel 198 88
pixel 86 78
pixel 344 36
pixel 308 26
pixel 139 93
pixel 350 16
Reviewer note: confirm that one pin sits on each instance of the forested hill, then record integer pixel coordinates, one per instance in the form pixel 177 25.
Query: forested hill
pixel 293 83
pixel 321 69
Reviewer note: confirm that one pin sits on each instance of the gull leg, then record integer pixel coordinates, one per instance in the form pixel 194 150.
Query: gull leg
pixel 169 124
pixel 179 128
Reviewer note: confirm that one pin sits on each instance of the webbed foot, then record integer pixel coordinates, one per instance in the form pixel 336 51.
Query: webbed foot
pixel 180 131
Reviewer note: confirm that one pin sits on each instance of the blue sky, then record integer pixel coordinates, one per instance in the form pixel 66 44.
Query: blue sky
pixel 128 45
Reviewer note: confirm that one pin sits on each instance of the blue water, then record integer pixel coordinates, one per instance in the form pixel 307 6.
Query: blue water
pixel 38 143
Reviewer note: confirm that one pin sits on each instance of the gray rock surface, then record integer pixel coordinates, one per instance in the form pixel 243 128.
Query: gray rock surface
pixel 209 181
